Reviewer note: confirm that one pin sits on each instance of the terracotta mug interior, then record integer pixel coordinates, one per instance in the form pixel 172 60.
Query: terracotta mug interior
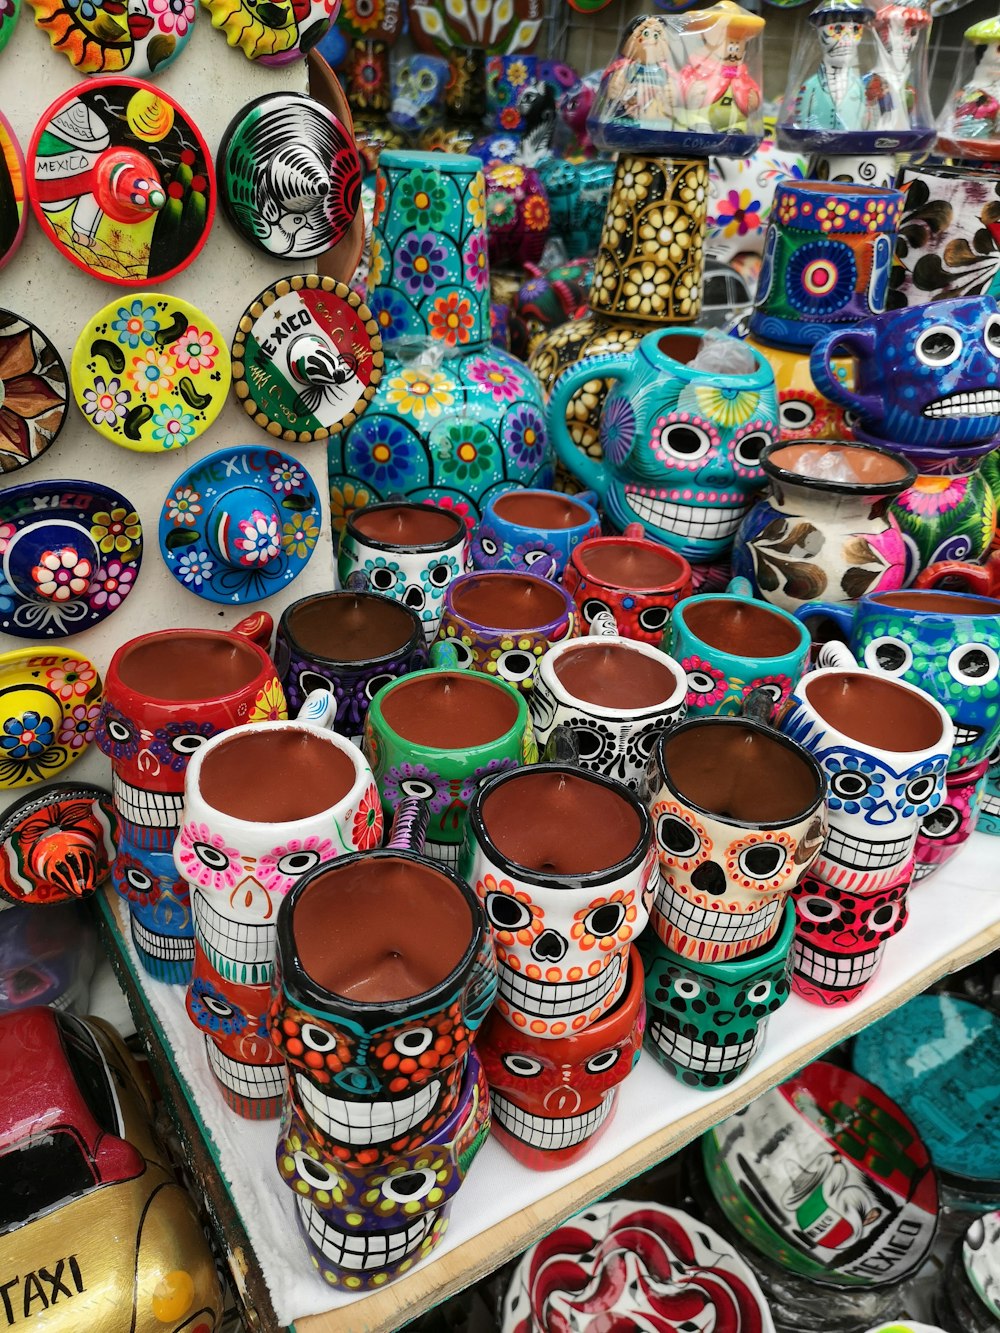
pixel 275 774
pixel 873 711
pixel 856 465
pixel 540 509
pixel 948 604
pixel 682 347
pixel 614 675
pixel 621 563
pixel 191 668
pixel 507 601
pixel 408 525
pixel 741 628
pixel 349 627
pixel 557 823
pixel 448 710
pixel 381 928
pixel 740 773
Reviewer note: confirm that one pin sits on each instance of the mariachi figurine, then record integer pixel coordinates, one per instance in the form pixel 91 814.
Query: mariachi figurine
pixel 717 90
pixel 970 124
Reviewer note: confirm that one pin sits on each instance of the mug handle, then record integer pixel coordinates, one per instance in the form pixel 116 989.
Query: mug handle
pixel 319 709
pixel 758 706
pixel 409 826
pixel 859 343
pixel 961 576
pixel 610 365
pixel 357 581
pixel 561 747
pixel 635 530
pixel 258 627
pixel 604 626
pixel 444 656
pixel 842 616
pixel 738 586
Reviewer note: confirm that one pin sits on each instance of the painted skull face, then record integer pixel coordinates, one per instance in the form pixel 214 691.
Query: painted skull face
pixel 945 829
pixel 418 580
pixel 551 1098
pixel 418 93
pixel 148 763
pixel 363 1225
pixel 159 901
pixel 248 1070
pixel 55 844
pixel 706 1021
pixel 840 936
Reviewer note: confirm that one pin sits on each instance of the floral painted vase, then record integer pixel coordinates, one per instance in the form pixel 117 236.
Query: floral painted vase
pixel 823 529
pixel 454 419
pixel 518 218
pixel 945 518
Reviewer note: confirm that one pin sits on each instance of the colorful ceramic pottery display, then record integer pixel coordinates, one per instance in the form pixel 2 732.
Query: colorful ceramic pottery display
pixel 823 529
pixel 969 124
pixel 150 372
pixel 13 212
pixel 573 1274
pixel 741 196
pixel 827 256
pixel 452 430
pixel 284 32
pixel 70 569
pixel 501 624
pixel 349 643
pixel 55 842
pixel 564 866
pixel 33 385
pixel 637 581
pixel 289 175
pixel 706 1021
pixel 926 381
pixel 533 532
pixel 945 830
pixel 307 358
pixel 945 518
pixel 139 40
pixel 803 412
pixel 553 1098
pixel 121 181
pixel 578 193
pixel 409 552
pixel 945 643
pixel 730 645
pixel 50 705
pixel 434 736
pixel 682 444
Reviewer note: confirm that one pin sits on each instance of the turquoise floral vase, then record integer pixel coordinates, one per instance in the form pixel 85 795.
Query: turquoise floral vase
pixel 455 419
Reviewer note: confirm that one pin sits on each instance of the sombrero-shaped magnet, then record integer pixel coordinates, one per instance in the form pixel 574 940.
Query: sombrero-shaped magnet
pixel 150 372
pixel 69 556
pixel 240 524
pixel 289 175
pixel 55 842
pixel 33 385
pixel 121 181
pixel 49 703
pixel 8 17
pixel 307 358
pixel 13 209
pixel 139 38
pixel 276 33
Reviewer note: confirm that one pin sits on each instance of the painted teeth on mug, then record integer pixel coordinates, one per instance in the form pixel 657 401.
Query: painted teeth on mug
pixel 981 402
pixel 989 805
pixel 698 1055
pixel 686 520
pixel 255 1081
pixel 149 809
pixel 701 923
pixel 369 1250
pixel 921 869
pixel 363 1123
pixel 542 1131
pixel 176 948
pixel 227 942
pixel 967 735
pixel 445 853
pixel 836 971
pixel 556 999
pixel 862 854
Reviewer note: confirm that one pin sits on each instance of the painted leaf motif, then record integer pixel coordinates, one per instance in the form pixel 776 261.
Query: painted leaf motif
pixel 29 396
pixel 781 554
pixel 17 356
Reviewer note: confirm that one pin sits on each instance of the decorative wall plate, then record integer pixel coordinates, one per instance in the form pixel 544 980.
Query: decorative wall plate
pixel 121 181
pixel 55 842
pixel 240 524
pixel 13 211
pixel 8 17
pixel 100 37
pixel 32 392
pixel 276 33
pixel 307 358
pixel 150 372
pixel 70 553
pixel 49 703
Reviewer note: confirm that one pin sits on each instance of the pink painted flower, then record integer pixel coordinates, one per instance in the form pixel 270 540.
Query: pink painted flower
pixel 72 678
pixel 459 507
pixel 194 350
pixel 738 213
pixel 706 683
pixel 930 496
pixel 7 531
pixel 502 382
pixel 77 727
pixel 477 262
pixel 112 584
pixel 173 15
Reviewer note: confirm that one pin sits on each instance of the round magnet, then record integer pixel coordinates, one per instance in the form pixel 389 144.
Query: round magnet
pixel 150 372
pixel 48 700
pixel 108 37
pixel 13 213
pixel 240 524
pixel 307 358
pixel 32 392
pixel 55 842
pixel 121 181
pixel 9 10
pixel 289 175
pixel 275 33
pixel 70 553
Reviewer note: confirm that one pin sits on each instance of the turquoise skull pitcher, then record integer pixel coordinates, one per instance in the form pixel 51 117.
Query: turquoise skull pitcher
pixel 682 444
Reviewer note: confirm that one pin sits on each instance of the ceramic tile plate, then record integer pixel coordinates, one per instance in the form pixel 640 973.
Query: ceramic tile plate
pixel 139 38
pixel 33 391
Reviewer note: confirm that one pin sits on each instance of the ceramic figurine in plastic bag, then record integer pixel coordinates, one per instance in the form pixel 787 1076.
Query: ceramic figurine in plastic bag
pixel 970 123
pixel 897 88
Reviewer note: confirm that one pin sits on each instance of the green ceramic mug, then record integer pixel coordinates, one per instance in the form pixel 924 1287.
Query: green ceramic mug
pixel 436 734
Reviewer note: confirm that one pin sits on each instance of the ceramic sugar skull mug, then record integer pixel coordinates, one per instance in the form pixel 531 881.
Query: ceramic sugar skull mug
pixel 409 552
pixel 563 864
pixel 532 531
pixel 638 581
pixel 729 644
pixel 738 814
pixel 351 643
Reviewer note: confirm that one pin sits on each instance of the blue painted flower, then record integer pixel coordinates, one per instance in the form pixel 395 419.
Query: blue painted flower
pixel 27 736
pixel 821 277
pixel 212 1011
pixel 195 568
pixel 383 575
pixel 617 428
pixel 422 264
pixel 383 452
pixel 524 435
pixel 136 324
pixel 487 548
pixel 437 576
pixel 391 313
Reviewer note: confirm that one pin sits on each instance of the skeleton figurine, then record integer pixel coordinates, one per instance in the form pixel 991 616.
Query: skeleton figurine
pixel 834 98
pixel 890 92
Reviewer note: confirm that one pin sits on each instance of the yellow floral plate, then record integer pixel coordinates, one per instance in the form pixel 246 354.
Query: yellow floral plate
pixel 70 553
pixel 150 372
pixel 49 702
